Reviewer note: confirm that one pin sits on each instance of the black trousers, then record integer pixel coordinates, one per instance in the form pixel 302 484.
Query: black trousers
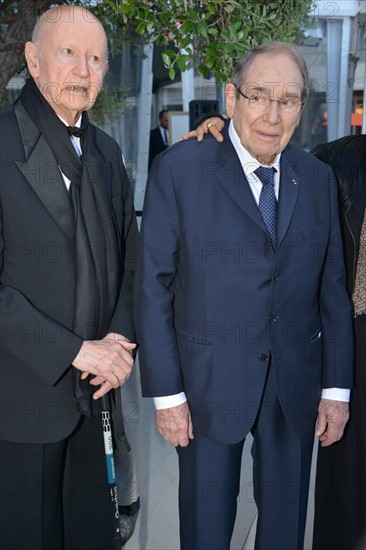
pixel 54 496
pixel 31 495
pixel 210 484
pixel 340 489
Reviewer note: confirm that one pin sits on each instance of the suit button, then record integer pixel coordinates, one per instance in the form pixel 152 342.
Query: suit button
pixel 276 276
pixel 273 318
pixel 263 357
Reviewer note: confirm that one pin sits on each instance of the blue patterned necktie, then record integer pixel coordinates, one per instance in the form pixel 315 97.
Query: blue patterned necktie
pixel 268 202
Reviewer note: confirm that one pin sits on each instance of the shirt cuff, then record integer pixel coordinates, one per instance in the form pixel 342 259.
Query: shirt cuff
pixel 336 394
pixel 168 401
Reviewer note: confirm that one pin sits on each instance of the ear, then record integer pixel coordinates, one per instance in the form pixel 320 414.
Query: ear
pixel 31 57
pixel 230 95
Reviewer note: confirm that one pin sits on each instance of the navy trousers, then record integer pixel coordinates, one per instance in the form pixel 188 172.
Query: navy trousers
pixel 210 483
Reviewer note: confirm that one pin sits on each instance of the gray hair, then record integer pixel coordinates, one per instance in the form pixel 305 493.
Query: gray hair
pixel 36 30
pixel 274 48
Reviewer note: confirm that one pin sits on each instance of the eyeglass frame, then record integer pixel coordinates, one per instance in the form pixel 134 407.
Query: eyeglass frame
pixel 301 103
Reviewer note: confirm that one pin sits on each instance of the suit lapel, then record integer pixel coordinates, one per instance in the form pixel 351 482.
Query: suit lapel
pixel 290 184
pixel 231 176
pixel 104 168
pixel 43 174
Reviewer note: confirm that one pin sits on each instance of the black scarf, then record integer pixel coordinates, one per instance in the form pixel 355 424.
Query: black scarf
pixel 97 265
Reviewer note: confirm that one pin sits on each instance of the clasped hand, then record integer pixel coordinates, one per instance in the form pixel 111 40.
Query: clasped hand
pixel 109 360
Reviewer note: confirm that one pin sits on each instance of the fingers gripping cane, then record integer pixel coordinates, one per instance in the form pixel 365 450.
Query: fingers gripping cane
pixel 108 447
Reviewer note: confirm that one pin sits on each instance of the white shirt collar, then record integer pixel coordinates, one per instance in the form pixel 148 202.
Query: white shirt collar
pixel 74 139
pixel 77 123
pixel 248 162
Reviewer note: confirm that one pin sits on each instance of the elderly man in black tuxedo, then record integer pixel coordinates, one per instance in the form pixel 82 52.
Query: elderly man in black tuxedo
pixel 67 242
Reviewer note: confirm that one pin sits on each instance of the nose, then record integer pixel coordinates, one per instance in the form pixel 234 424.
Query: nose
pixel 81 66
pixel 272 114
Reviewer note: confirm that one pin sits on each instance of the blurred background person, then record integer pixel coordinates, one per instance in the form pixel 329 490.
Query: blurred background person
pixel 340 491
pixel 159 136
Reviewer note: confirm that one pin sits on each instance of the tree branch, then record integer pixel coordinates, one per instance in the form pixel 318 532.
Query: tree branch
pixel 5 4
pixel 9 19
pixel 11 46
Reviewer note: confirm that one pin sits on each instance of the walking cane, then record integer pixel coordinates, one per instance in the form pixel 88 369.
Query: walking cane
pixel 116 542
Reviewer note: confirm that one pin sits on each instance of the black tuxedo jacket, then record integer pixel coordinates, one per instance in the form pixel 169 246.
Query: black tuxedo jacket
pixel 157 144
pixel 214 302
pixel 37 269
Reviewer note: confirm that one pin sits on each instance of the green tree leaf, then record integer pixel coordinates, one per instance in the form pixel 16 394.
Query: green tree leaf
pixel 220 31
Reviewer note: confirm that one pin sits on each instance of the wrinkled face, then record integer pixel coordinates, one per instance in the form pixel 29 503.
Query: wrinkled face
pixel 68 61
pixel 267 131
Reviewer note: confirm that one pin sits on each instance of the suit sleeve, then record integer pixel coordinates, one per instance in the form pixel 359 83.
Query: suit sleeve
pixel 335 307
pixel 122 321
pixel 31 337
pixel 157 266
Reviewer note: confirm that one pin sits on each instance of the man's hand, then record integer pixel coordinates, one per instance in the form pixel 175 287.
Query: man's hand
pixel 212 125
pixel 332 418
pixel 109 360
pixel 175 425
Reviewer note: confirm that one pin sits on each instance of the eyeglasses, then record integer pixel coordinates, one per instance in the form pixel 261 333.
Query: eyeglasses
pixel 259 102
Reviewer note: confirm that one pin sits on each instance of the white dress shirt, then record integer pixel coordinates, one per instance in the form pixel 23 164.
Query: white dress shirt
pixel 76 143
pixel 164 133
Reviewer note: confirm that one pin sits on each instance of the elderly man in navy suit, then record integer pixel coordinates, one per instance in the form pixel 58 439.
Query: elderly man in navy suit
pixel 241 308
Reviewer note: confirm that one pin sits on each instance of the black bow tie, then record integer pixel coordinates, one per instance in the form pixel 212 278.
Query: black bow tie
pixel 75 131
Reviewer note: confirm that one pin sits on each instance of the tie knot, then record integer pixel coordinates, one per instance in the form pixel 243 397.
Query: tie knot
pixel 75 131
pixel 79 131
pixel 266 175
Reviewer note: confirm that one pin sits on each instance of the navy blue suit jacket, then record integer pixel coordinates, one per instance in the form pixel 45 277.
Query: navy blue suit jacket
pixel 214 302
